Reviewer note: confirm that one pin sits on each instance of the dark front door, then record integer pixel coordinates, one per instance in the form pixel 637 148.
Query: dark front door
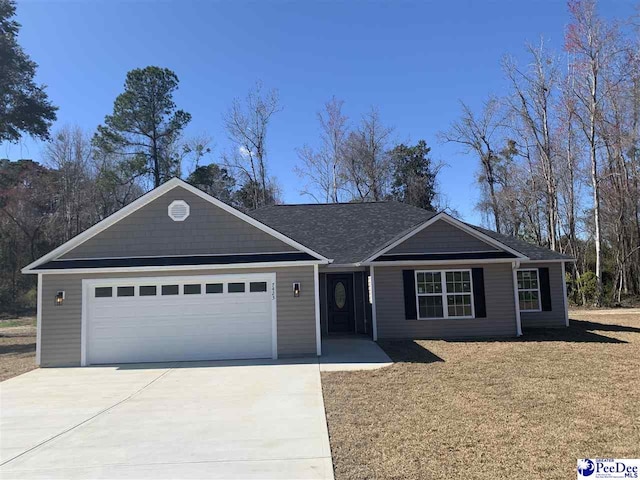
pixel 340 303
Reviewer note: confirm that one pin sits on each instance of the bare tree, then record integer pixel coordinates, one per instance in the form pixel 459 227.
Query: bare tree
pixel 593 46
pixel 69 154
pixel 532 102
pixel 324 168
pixel 247 123
pixel 367 164
pixel 480 135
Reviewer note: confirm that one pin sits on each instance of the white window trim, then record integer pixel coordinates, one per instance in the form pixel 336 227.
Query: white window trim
pixel 443 281
pixel 539 309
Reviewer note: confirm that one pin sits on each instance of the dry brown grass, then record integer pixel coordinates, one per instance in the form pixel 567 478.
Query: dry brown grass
pixel 17 347
pixel 525 408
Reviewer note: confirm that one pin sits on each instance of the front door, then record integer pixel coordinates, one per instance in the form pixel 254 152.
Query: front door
pixel 340 303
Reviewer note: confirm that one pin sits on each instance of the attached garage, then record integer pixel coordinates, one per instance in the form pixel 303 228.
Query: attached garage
pixel 182 318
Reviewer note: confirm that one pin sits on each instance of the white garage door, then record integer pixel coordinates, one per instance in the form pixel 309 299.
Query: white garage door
pixel 160 319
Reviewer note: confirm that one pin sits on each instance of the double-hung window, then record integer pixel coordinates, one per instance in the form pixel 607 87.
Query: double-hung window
pixel 444 294
pixel 529 290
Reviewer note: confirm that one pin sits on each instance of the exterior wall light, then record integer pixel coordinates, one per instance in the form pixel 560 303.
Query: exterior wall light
pixel 59 298
pixel 296 289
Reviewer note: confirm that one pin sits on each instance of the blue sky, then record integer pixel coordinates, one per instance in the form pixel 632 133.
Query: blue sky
pixel 414 60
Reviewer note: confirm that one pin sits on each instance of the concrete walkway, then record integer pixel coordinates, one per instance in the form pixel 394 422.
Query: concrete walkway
pixel 191 420
pixel 351 353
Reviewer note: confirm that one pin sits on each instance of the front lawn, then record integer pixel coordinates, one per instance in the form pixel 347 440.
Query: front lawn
pixel 17 346
pixel 520 408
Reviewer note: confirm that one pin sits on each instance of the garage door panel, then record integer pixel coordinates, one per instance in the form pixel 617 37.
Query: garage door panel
pixel 205 326
pixel 152 329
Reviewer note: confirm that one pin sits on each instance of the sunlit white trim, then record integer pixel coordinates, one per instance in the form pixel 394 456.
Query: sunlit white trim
pixel 274 317
pixel 440 253
pixel 316 288
pixel 555 260
pixel 86 288
pixel 62 271
pixel 374 314
pixel 514 269
pixel 400 263
pixel 456 223
pixel 149 197
pixel 39 321
pixel 564 293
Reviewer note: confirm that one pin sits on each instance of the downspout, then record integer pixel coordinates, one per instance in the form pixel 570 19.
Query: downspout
pixel 316 281
pixel 514 269
pixel 374 316
pixel 39 320
pixel 564 292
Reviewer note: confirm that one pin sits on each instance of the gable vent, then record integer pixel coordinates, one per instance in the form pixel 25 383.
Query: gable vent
pixel 179 210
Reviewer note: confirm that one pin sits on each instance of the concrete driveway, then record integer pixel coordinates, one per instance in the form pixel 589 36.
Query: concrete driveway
pixel 191 420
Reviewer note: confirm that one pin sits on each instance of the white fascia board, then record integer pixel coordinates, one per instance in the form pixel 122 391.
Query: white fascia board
pixel 148 198
pixel 456 223
pixel 555 260
pixel 350 267
pixel 62 271
pixel 440 262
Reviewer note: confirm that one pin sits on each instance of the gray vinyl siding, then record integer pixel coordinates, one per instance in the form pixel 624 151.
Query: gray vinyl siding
pixel 556 316
pixel 61 325
pixel 150 232
pixel 441 237
pixel 296 316
pixel 500 320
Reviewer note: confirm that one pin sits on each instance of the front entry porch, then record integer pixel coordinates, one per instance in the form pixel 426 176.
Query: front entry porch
pixel 353 352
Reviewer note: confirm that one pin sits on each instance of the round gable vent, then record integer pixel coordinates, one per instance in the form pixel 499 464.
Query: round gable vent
pixel 179 210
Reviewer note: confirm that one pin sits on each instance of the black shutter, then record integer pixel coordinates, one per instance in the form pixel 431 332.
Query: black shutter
pixel 545 289
pixel 479 303
pixel 409 281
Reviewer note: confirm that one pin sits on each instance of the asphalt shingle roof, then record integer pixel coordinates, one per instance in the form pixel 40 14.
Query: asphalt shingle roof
pixel 351 232
pixel 345 232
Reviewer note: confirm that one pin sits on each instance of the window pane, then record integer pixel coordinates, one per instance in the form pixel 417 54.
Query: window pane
pixel 214 288
pixel 429 282
pixel 258 287
pixel 527 280
pixel 529 300
pixel 458 282
pixel 102 292
pixel 169 289
pixel 148 291
pixel 235 287
pixel 459 305
pixel 126 291
pixel 193 289
pixel 430 307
